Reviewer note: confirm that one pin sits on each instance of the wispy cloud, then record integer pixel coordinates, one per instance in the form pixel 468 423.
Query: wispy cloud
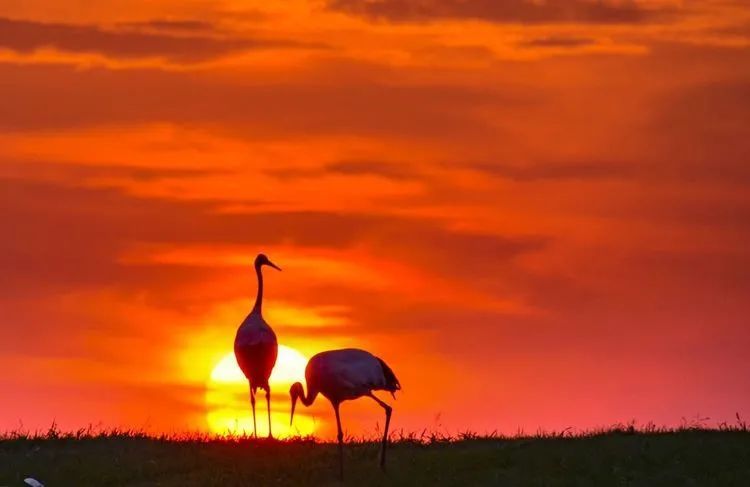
pixel 514 11
pixel 198 44
pixel 387 170
pixel 364 105
pixel 183 25
pixel 558 42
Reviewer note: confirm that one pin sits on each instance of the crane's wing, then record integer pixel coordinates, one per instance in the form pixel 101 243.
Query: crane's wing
pixel 355 371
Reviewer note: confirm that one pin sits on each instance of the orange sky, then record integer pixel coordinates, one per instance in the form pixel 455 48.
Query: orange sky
pixel 536 212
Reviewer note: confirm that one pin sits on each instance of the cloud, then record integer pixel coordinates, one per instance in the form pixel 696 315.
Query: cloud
pixel 75 173
pixel 701 133
pixel 511 11
pixel 558 41
pixel 68 246
pixel 373 168
pixel 538 171
pixel 72 236
pixel 26 36
pixel 365 105
pixel 557 170
pixel 387 170
pixel 186 25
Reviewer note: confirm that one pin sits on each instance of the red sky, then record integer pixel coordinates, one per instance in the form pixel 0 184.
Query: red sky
pixel 536 212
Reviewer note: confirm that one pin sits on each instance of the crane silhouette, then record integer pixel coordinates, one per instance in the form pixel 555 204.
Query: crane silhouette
pixel 255 346
pixel 342 375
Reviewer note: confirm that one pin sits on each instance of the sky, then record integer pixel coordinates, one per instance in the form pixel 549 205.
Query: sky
pixel 536 212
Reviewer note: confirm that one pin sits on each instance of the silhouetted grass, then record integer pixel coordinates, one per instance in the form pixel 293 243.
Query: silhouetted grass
pixel 690 455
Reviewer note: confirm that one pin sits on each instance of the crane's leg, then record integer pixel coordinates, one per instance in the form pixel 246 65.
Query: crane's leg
pixel 388 411
pixel 340 437
pixel 268 403
pixel 252 406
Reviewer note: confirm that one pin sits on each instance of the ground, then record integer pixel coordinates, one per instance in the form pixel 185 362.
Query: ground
pixel 619 458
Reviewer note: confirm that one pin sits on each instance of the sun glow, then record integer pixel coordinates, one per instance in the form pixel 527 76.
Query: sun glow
pixel 228 400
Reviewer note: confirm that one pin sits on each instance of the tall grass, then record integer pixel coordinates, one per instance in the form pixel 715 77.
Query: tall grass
pixel 423 437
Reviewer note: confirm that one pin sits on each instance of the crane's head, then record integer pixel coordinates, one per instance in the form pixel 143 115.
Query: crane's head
pixel 295 392
pixel 262 260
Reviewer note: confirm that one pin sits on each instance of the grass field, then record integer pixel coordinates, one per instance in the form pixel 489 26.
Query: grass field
pixel 688 457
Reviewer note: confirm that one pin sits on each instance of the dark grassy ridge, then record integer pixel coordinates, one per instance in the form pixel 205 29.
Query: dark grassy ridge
pixel 690 457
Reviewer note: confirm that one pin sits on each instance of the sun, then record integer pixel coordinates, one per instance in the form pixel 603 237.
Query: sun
pixel 290 367
pixel 228 400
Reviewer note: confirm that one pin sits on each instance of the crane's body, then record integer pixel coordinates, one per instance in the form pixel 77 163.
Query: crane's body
pixel 343 375
pixel 256 347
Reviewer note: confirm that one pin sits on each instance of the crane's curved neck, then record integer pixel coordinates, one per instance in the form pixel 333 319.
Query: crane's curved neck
pixel 258 308
pixel 308 397
pixel 298 392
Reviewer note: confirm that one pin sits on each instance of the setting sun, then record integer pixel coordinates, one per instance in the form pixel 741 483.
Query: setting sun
pixel 227 398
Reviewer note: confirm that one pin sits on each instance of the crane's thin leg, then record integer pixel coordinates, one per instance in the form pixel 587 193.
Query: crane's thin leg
pixel 252 406
pixel 388 411
pixel 341 442
pixel 268 403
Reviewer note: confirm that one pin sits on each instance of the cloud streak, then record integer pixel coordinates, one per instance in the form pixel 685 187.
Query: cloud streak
pixel 397 171
pixel 363 106
pixel 558 42
pixel 505 11
pixel 26 37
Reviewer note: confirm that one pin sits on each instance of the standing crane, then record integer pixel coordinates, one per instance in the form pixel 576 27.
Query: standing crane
pixel 255 346
pixel 342 375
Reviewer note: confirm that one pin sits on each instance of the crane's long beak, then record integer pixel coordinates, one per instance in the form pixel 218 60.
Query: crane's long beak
pixel 274 265
pixel 294 404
